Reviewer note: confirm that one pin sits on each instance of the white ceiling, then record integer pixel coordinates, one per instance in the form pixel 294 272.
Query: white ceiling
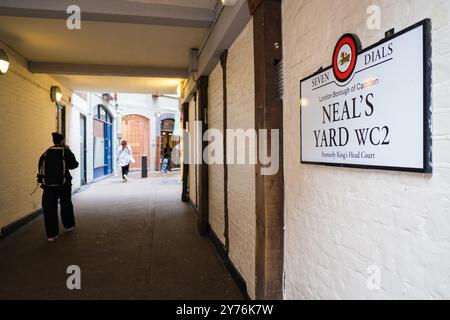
pixel 48 40
pixel 108 43
pixel 207 4
pixel 120 84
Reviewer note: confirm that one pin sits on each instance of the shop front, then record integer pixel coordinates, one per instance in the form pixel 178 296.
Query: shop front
pixel 103 145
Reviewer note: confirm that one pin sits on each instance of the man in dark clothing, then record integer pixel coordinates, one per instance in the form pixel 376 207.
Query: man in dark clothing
pixel 167 160
pixel 55 179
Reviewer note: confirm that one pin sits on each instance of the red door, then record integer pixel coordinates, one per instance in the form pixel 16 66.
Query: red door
pixel 136 131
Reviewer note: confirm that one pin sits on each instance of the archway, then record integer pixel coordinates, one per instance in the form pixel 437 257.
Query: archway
pixel 168 140
pixel 136 131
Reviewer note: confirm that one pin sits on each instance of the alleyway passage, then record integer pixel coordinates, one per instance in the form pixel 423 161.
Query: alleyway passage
pixel 134 240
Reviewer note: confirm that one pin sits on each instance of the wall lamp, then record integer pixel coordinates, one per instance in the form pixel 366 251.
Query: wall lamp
pixel 4 62
pixel 55 94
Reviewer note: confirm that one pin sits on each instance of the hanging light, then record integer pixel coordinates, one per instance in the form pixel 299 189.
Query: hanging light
pixel 55 94
pixel 4 62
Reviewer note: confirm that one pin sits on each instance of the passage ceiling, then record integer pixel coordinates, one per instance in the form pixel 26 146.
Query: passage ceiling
pixel 152 37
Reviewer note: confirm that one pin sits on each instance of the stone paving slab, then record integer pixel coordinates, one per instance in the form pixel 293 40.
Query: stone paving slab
pixel 134 240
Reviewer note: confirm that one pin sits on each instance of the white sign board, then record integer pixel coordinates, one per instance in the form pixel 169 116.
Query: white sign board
pixel 372 107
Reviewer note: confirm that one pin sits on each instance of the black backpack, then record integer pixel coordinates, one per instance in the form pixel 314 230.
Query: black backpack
pixel 52 171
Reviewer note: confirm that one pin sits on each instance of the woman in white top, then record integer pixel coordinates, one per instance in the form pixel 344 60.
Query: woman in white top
pixel 124 158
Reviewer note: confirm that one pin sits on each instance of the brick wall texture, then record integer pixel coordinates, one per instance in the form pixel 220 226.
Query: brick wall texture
pixel 216 171
pixel 241 178
pixel 29 118
pixel 339 222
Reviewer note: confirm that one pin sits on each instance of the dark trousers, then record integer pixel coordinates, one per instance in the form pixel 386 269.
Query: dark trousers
pixel 125 170
pixel 50 207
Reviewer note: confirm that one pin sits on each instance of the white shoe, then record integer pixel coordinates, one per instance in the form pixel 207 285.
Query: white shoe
pixel 125 178
pixel 70 229
pixel 53 239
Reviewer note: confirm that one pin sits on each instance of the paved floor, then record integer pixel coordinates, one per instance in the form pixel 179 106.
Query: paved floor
pixel 134 240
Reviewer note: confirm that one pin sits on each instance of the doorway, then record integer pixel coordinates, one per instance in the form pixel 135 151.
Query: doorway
pixel 136 132
pixel 83 151
pixel 103 161
pixel 168 142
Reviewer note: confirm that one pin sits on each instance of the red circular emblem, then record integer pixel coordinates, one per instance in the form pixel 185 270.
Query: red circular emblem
pixel 345 57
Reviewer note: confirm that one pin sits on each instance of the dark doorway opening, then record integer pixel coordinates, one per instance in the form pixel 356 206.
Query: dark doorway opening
pixel 168 145
pixel 136 131
pixel 103 161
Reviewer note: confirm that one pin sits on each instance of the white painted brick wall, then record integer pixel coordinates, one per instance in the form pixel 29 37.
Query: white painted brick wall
pixel 80 107
pixel 73 137
pixel 241 178
pixel 28 119
pixel 341 221
pixel 216 183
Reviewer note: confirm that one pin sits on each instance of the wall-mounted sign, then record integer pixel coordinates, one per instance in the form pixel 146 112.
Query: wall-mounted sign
pixel 371 108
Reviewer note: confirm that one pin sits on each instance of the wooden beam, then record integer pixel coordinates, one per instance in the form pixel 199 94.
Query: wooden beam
pixel 116 11
pixel 253 5
pixel 185 193
pixel 268 115
pixel 223 63
pixel 194 147
pixel 106 70
pixel 203 194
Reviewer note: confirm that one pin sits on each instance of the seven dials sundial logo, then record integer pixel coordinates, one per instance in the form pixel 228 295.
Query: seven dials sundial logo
pixel 345 56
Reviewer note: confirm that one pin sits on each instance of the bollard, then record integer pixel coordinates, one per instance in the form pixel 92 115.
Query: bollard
pixel 144 167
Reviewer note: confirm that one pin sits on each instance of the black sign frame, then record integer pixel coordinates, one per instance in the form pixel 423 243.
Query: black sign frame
pixel 427 105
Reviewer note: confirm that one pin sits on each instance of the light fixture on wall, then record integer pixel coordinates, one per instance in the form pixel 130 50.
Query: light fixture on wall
pixel 4 62
pixel 55 94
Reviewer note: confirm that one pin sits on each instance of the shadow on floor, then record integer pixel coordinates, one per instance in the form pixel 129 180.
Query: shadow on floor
pixel 134 240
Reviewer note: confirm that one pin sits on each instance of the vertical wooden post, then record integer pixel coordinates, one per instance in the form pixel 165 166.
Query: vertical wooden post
pixel 194 147
pixel 186 148
pixel 223 63
pixel 268 115
pixel 203 197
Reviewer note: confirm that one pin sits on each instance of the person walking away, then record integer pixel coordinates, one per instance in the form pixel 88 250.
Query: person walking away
pixel 168 157
pixel 56 181
pixel 124 158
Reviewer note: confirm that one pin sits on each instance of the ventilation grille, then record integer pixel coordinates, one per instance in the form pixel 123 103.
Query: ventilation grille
pixel 279 81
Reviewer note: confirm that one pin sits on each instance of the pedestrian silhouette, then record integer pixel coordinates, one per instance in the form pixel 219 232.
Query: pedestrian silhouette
pixel 55 179
pixel 125 158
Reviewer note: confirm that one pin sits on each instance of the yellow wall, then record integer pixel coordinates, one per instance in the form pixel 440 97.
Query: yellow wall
pixel 28 119
pixel 216 171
